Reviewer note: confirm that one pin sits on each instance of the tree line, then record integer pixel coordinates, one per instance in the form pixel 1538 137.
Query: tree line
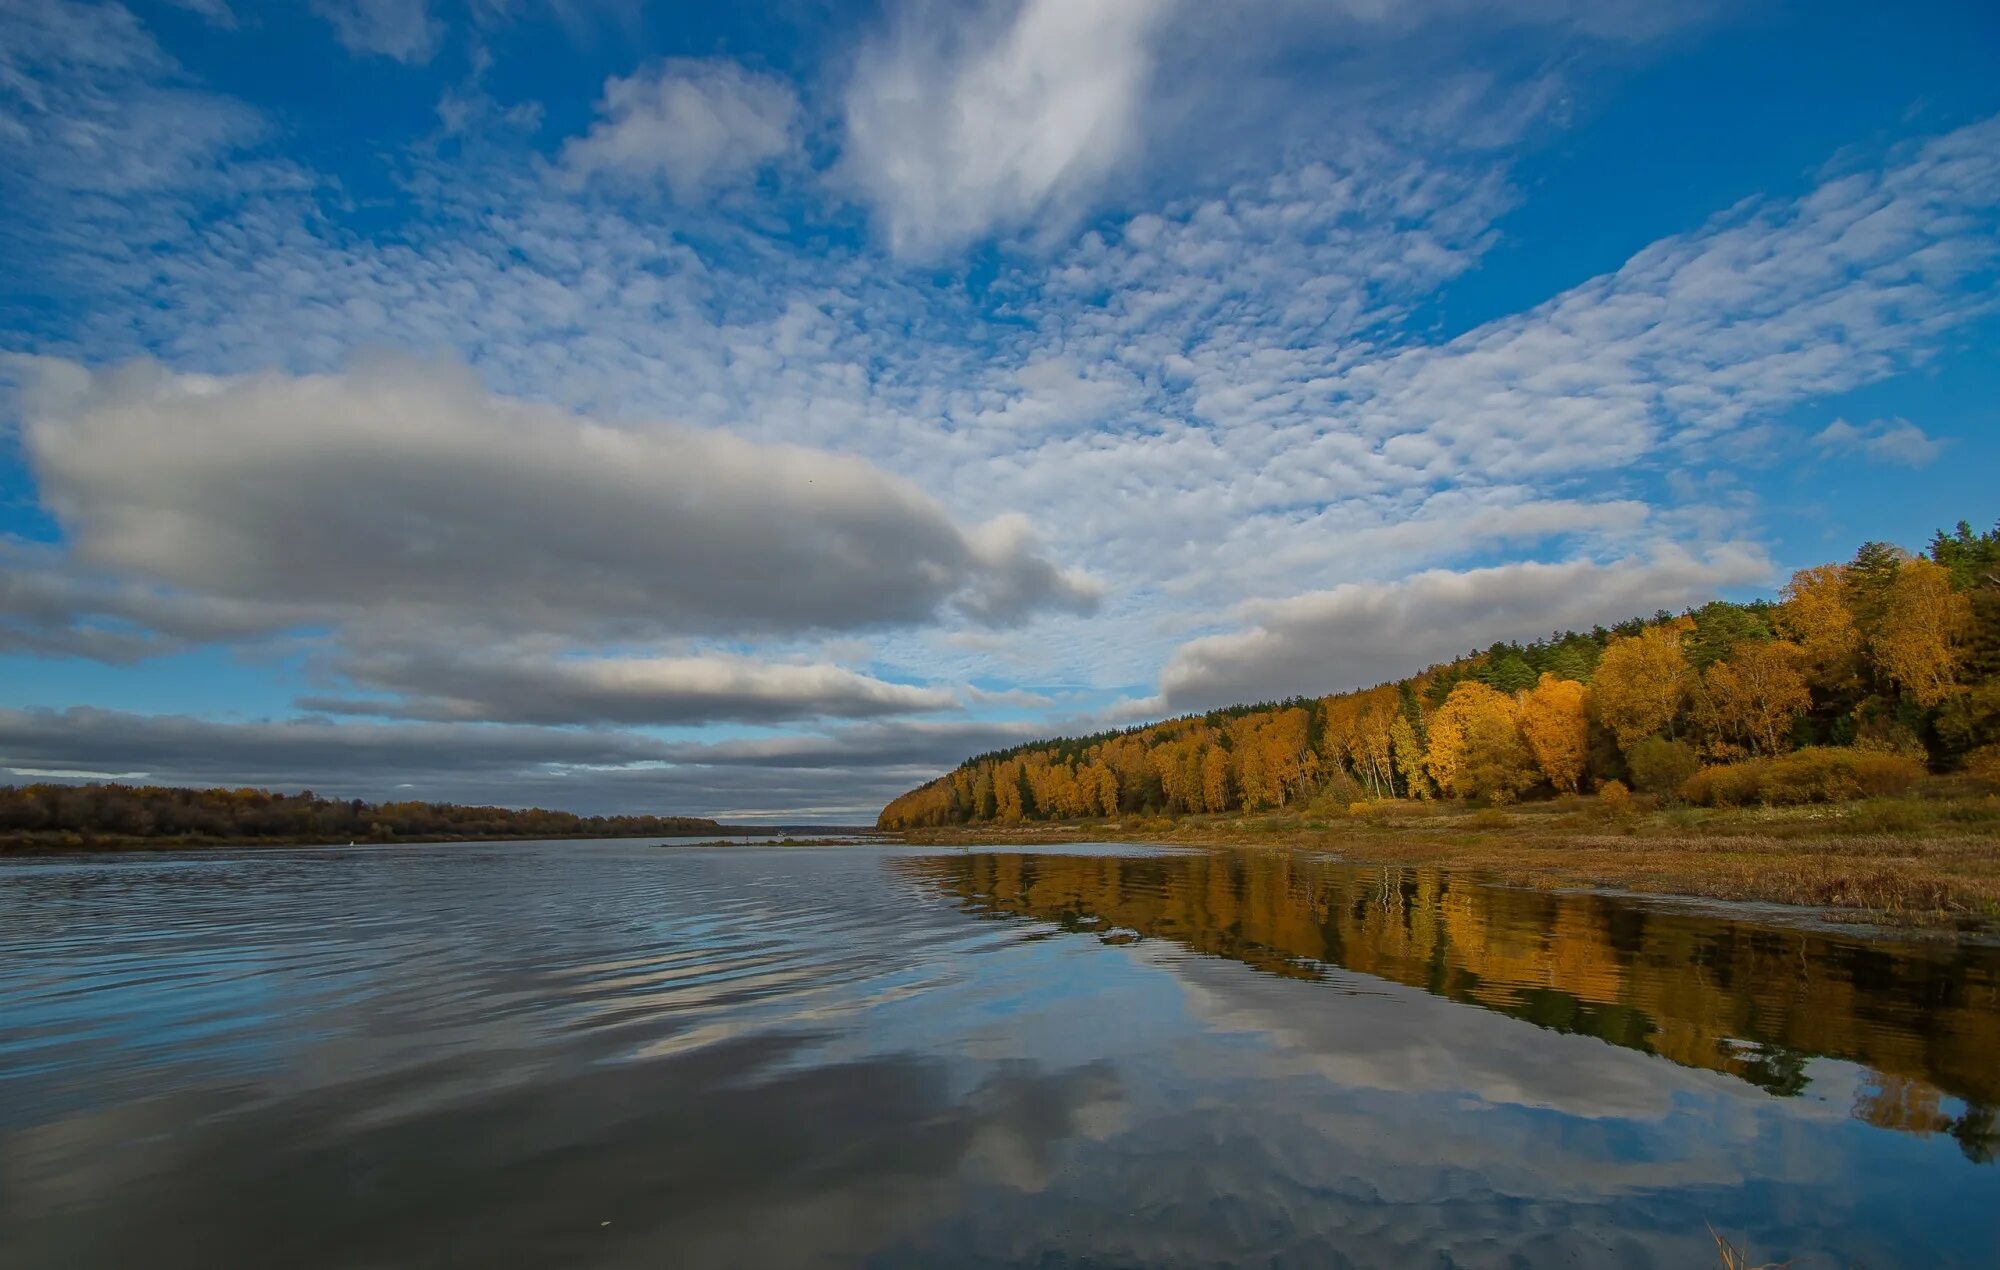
pixel 1858 678
pixel 75 815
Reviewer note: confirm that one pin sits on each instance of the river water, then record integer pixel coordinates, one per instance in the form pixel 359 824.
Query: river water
pixel 627 1054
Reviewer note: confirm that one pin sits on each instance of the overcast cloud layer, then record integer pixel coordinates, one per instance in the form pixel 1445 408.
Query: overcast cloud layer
pixel 762 425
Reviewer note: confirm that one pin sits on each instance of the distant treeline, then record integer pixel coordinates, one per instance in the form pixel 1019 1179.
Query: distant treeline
pixel 80 815
pixel 1879 667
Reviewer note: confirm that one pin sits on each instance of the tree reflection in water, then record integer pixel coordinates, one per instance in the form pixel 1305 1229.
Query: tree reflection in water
pixel 1698 988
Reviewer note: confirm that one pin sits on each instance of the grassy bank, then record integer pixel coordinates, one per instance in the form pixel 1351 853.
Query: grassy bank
pixel 1929 859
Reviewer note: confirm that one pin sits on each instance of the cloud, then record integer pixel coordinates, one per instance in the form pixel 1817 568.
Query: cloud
pixel 598 772
pixel 91 106
pixel 1023 114
pixel 694 124
pixel 959 124
pixel 528 688
pixel 400 29
pixel 1883 440
pixel 929 745
pixel 1697 335
pixel 1364 633
pixel 403 496
pixel 291 752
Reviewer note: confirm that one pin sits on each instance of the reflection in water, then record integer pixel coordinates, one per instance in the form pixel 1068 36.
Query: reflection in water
pixel 616 1055
pixel 1699 989
pixel 672 1163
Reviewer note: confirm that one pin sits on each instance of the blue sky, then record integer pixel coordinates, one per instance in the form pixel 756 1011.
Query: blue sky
pixel 755 409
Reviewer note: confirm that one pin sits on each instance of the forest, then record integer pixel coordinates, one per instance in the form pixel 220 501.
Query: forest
pixel 1858 679
pixel 90 815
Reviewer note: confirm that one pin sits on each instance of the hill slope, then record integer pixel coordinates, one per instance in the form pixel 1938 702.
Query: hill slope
pixel 1891 653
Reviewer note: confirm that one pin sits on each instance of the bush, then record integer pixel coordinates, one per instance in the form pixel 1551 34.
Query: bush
pixel 1828 775
pixel 1737 785
pixel 1614 797
pixel 1818 775
pixel 1659 766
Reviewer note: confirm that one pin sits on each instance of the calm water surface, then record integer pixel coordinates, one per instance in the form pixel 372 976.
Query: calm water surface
pixel 620 1054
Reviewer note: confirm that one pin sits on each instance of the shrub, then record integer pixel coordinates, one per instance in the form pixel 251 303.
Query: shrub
pixel 1737 785
pixel 1818 775
pixel 1614 797
pixel 1659 766
pixel 1830 775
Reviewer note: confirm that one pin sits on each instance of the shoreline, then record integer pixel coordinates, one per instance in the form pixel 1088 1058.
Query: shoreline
pixel 110 845
pixel 1926 862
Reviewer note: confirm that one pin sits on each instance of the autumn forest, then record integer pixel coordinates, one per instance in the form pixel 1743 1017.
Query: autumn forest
pixel 1858 679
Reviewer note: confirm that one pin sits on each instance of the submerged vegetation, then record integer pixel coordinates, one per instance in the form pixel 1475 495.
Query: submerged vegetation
pixel 84 816
pixel 1858 681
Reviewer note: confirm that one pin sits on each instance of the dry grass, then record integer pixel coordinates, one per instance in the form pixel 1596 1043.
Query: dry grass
pixel 1932 858
pixel 1734 1258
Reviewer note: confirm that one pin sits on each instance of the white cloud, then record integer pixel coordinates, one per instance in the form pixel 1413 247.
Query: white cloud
pixel 960 124
pixel 91 105
pixel 1364 633
pixel 399 29
pixel 1024 114
pixel 1883 440
pixel 693 124
pixel 403 494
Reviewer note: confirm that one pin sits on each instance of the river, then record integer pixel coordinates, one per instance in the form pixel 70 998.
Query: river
pixel 631 1054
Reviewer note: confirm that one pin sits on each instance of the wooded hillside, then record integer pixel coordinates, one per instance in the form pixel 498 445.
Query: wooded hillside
pixel 1858 677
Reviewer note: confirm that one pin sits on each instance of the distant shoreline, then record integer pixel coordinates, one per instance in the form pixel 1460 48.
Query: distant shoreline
pixel 83 844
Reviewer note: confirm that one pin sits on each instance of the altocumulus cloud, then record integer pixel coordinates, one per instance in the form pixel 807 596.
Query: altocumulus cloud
pixel 402 496
pixel 1365 633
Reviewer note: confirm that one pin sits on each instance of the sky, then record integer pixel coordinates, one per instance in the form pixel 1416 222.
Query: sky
pixel 753 410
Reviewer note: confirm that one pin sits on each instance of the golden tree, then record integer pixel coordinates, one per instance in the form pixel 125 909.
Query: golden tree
pixel 1555 722
pixel 1641 682
pixel 1476 746
pixel 1817 617
pixel 1757 694
pixel 1215 779
pixel 1409 753
pixel 1924 619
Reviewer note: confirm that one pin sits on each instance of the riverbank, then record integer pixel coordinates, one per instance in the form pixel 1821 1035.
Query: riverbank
pixel 66 843
pixel 1930 860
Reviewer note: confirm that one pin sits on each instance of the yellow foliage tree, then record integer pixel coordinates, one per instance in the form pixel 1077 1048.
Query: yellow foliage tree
pixel 1555 722
pixel 1817 617
pixel 1925 618
pixel 1215 779
pixel 1756 694
pixel 1409 753
pixel 1476 745
pixel 1641 682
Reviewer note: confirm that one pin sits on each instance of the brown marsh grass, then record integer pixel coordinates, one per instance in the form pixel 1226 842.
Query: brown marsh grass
pixel 1930 858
